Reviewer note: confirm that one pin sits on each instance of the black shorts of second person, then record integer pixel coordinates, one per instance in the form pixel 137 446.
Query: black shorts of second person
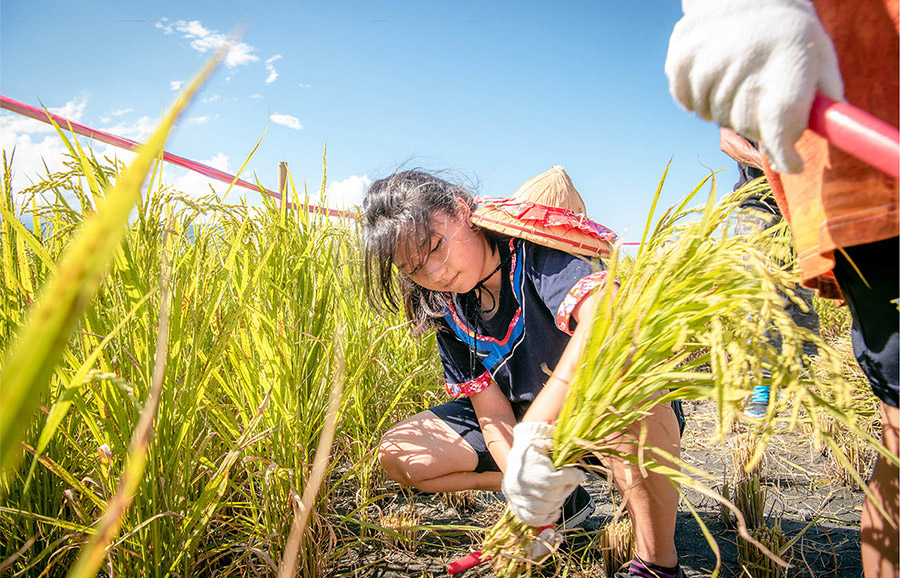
pixel 873 307
pixel 460 415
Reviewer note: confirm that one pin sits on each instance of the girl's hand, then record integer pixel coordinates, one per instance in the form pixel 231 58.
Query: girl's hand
pixel 535 489
pixel 754 66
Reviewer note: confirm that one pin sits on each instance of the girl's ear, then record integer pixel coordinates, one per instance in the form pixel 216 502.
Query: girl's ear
pixel 465 212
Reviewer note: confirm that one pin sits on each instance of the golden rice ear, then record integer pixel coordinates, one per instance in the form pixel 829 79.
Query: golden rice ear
pixel 553 188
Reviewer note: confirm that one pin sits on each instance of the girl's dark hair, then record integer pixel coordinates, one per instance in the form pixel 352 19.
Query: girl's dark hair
pixel 398 209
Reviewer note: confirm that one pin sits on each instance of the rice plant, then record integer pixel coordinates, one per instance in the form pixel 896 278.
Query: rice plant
pixel 851 459
pixel 256 296
pixel 689 322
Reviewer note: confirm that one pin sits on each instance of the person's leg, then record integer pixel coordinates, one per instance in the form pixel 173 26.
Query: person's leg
pixel 752 218
pixel 881 540
pixel 651 500
pixel 871 299
pixel 433 451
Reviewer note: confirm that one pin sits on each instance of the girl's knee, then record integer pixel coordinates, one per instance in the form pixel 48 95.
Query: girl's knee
pixel 390 458
pixel 398 462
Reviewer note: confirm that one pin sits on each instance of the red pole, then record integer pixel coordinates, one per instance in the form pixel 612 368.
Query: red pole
pixel 128 144
pixel 858 133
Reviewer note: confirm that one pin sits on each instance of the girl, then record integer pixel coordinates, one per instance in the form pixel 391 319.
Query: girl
pixel 506 313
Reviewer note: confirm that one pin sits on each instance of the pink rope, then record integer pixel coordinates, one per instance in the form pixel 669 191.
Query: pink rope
pixel 128 144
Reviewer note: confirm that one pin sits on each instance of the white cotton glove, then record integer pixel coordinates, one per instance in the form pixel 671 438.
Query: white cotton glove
pixel 534 488
pixel 754 66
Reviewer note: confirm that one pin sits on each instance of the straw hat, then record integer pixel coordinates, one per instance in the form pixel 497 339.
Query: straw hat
pixel 547 210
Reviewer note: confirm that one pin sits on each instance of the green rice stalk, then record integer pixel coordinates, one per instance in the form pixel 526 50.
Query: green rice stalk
pixel 750 499
pixel 255 302
pixel 64 402
pixel 288 566
pixel 94 551
pixel 33 358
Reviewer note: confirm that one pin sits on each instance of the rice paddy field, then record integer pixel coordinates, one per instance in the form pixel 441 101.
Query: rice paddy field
pixel 207 402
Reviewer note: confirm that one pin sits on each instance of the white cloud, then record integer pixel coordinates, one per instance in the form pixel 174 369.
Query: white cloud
pixel 256 96
pixel 36 149
pixel 118 112
pixel 16 123
pixel 195 184
pixel 211 98
pixel 204 40
pixel 30 156
pixel 347 193
pixel 72 110
pixel 176 84
pixel 198 119
pixel 305 85
pixel 138 130
pixel 286 120
pixel 273 74
pixel 164 25
pixel 35 143
pixel 114 154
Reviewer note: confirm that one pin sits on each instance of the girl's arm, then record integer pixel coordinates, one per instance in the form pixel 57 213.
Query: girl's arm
pixel 496 418
pixel 549 401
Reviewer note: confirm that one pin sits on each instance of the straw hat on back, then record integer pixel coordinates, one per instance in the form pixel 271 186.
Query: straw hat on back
pixel 547 210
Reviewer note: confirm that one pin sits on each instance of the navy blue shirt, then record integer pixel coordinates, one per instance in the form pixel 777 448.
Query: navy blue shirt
pixel 519 346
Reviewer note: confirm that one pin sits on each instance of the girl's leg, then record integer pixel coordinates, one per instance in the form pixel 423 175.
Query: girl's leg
pixel 651 500
pixel 425 452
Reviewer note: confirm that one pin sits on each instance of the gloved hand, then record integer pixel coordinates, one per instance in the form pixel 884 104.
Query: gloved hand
pixel 754 66
pixel 535 489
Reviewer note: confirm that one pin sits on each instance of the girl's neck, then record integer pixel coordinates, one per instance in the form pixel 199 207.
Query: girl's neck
pixel 492 282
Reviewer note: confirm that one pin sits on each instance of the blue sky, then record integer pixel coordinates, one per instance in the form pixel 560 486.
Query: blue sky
pixel 498 91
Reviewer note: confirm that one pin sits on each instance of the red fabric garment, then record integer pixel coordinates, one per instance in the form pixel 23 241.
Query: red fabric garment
pixel 839 201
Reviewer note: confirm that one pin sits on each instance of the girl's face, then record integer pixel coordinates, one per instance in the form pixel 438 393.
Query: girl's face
pixel 455 258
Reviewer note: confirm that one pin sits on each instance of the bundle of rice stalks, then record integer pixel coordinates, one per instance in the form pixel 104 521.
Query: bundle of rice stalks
pixel 460 501
pixel 754 563
pixel 691 321
pixel 746 495
pixel 401 528
pixel 616 543
pixel 743 448
pixel 512 546
pixel 743 488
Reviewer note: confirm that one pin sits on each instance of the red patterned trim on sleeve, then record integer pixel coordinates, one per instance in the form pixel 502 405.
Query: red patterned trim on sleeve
pixel 574 297
pixel 468 388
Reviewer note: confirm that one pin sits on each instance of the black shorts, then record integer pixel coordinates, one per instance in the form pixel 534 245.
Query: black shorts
pixel 460 415
pixel 872 303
